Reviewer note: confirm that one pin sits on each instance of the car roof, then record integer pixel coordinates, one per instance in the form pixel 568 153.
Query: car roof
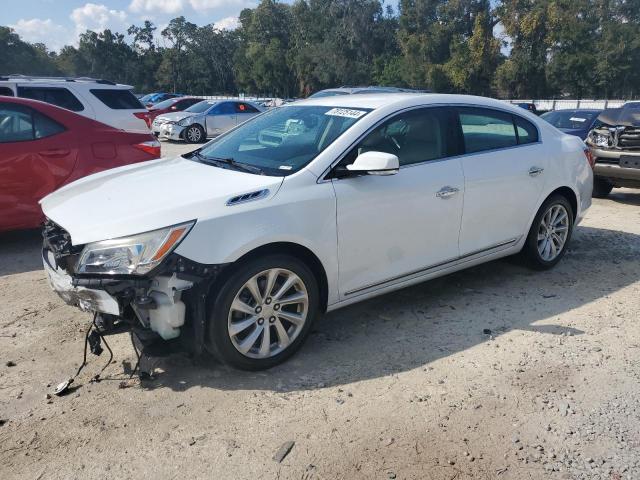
pixel 57 113
pixel 380 100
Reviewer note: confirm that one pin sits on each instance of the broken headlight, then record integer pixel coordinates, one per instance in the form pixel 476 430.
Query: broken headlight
pixel 133 255
pixel 599 140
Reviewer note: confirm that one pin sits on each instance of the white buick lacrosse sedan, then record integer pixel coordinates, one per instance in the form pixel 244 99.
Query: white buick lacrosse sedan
pixel 310 207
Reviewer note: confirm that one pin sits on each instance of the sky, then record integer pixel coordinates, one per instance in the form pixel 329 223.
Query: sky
pixel 59 22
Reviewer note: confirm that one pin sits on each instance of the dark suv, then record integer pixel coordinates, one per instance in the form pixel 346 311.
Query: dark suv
pixel 615 145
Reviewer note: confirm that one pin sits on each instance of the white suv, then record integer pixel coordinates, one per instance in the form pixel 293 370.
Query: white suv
pixel 310 207
pixel 101 100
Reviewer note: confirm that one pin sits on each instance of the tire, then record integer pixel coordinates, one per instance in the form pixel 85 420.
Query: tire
pixel 601 187
pixel 233 327
pixel 194 134
pixel 543 253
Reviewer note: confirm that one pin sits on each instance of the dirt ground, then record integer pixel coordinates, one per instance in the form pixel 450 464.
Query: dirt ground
pixel 403 386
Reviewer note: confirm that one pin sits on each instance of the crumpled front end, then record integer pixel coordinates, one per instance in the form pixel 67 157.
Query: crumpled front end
pixel 168 130
pixel 615 145
pixel 164 301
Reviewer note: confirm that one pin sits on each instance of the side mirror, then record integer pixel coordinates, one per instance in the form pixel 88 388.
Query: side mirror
pixel 375 163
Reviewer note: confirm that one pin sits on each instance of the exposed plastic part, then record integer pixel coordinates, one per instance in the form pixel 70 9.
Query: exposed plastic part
pixel 168 315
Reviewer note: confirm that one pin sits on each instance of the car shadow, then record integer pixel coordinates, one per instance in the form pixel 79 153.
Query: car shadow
pixel 625 196
pixel 413 327
pixel 20 251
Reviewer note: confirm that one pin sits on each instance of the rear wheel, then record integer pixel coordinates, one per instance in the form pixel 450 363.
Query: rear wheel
pixel 263 312
pixel 601 187
pixel 549 234
pixel 194 134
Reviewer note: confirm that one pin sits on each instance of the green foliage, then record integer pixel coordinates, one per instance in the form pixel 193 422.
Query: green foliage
pixel 546 48
pixel 17 56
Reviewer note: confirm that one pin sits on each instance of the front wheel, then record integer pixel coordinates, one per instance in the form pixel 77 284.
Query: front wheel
pixel 549 234
pixel 194 134
pixel 263 312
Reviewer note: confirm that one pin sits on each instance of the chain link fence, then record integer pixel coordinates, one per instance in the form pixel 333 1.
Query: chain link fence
pixel 549 105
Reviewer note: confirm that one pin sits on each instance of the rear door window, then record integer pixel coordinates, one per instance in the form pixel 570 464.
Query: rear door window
pixel 117 99
pixel 6 91
pixel 58 96
pixel 485 129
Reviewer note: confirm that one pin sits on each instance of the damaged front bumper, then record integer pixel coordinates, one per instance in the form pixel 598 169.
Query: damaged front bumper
pixel 616 150
pixel 168 131
pixel 165 301
pixel 86 299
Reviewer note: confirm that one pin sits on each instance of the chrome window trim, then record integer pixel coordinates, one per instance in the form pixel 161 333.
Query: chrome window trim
pixel 322 177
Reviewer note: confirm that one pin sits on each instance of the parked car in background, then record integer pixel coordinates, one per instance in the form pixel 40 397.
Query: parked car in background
pixel 240 242
pixel 574 122
pixel 208 118
pixel 150 99
pixel 615 146
pixel 330 92
pixel 177 104
pixel 531 107
pixel 43 147
pixel 102 100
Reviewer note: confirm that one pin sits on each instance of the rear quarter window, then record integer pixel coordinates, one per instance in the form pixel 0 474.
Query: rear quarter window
pixel 527 132
pixel 58 96
pixel 117 99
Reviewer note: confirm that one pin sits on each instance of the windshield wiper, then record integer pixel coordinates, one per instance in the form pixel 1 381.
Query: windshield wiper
pixel 230 161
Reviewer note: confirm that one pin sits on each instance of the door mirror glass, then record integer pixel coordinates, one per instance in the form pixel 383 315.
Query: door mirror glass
pixel 375 163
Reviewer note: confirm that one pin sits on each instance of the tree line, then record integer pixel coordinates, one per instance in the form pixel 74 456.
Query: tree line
pixel 503 48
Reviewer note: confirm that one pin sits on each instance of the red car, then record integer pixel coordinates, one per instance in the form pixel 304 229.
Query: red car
pixel 43 147
pixel 172 105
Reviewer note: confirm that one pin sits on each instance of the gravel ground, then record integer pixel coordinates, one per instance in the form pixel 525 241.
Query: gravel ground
pixel 402 386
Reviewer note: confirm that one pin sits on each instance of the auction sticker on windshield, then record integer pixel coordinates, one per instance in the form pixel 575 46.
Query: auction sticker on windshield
pixel 345 112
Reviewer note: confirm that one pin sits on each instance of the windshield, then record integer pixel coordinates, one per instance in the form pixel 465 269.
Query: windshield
pixel 284 139
pixel 164 104
pixel 200 107
pixel 571 119
pixel 146 97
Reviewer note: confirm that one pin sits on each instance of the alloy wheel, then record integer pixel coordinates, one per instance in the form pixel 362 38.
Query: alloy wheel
pixel 553 232
pixel 194 134
pixel 268 313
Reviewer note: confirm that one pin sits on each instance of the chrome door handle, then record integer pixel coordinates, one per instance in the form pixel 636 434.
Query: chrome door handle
pixel 535 171
pixel 446 192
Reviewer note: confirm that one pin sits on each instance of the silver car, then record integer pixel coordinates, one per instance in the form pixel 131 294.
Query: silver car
pixel 205 119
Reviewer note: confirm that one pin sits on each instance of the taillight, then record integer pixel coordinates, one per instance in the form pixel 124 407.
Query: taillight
pixel 152 147
pixel 144 116
pixel 590 158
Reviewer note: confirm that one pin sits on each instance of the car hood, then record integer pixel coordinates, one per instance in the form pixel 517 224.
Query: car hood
pixel 148 196
pixel 176 116
pixel 626 116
